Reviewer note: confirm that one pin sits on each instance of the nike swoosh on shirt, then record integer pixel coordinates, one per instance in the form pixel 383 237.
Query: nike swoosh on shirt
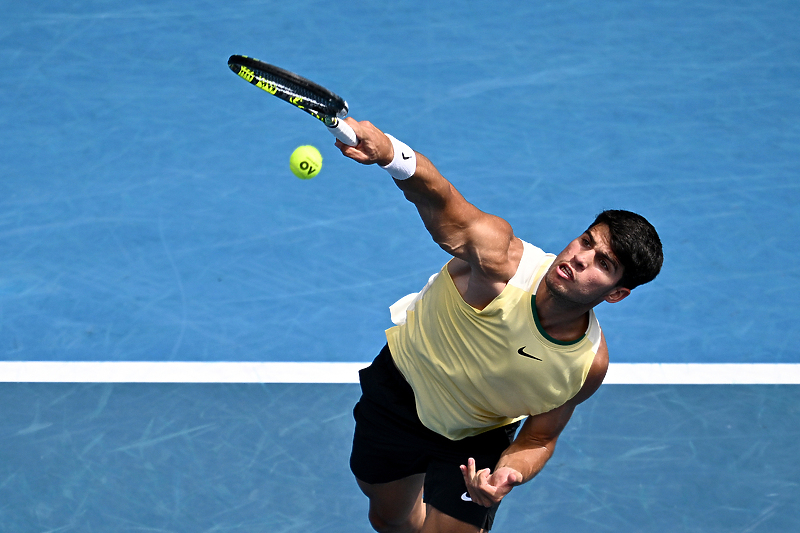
pixel 521 351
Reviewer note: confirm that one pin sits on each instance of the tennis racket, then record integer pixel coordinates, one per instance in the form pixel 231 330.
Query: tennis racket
pixel 304 94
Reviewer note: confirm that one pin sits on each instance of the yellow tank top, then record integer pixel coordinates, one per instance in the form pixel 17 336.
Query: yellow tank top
pixel 475 370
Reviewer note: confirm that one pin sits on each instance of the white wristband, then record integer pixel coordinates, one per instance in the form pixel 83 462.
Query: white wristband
pixel 404 163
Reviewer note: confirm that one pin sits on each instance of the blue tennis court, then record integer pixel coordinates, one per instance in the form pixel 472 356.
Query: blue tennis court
pixel 149 215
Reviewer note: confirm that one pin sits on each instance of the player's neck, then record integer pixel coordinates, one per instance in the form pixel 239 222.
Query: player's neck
pixel 563 320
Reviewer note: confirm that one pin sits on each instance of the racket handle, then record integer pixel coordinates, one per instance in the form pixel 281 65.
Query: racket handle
pixel 342 131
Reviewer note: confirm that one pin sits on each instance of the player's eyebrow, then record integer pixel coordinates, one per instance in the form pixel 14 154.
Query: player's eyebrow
pixel 611 259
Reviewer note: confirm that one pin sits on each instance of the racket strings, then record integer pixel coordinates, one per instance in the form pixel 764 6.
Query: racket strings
pixel 312 99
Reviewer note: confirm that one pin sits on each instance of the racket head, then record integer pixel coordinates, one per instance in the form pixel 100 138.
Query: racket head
pixel 290 87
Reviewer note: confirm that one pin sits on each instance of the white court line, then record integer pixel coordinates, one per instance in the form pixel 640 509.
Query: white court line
pixel 703 374
pixel 243 372
pixel 177 372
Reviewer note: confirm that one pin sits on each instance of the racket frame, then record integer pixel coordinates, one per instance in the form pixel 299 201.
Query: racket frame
pixel 325 106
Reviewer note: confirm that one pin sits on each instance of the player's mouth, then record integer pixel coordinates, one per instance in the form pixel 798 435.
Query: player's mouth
pixel 566 272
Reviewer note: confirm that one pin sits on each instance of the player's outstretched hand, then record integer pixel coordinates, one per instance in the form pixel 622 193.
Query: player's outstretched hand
pixel 373 145
pixel 487 488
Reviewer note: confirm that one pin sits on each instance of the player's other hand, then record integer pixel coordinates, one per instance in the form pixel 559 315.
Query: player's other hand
pixel 487 488
pixel 373 145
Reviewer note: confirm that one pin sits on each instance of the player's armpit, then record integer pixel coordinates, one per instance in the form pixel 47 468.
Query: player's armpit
pixel 597 373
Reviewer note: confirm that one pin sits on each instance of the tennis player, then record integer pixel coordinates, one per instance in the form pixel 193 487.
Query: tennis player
pixel 504 332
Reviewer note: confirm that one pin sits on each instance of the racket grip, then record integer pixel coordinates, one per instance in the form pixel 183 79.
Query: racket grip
pixel 342 131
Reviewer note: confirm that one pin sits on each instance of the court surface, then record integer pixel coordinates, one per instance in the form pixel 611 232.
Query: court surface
pixel 148 215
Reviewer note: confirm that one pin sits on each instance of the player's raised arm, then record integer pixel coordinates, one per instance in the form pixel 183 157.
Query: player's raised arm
pixel 483 240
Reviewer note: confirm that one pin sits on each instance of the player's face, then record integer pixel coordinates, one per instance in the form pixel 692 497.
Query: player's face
pixel 587 271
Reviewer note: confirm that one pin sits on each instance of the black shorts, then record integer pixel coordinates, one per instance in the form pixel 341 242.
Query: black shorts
pixel 390 443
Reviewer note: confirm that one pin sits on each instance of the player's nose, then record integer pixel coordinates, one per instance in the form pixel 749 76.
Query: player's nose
pixel 580 260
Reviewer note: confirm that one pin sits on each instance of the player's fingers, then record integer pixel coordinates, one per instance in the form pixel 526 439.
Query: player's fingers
pixel 484 491
pixel 353 152
pixel 357 129
pixel 471 468
pixel 477 483
pixel 470 478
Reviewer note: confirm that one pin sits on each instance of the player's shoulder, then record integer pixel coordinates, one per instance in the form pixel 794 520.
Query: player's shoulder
pixel 495 256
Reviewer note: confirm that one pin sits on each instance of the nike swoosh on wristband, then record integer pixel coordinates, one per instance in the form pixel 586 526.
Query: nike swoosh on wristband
pixel 405 156
pixel 466 497
pixel 521 351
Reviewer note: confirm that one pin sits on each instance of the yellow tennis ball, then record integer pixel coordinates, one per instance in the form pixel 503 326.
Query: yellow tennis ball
pixel 306 162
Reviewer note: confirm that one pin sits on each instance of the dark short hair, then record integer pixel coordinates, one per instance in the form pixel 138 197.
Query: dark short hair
pixel 636 244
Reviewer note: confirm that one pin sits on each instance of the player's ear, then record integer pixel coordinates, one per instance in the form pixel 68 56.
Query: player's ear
pixel 617 295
